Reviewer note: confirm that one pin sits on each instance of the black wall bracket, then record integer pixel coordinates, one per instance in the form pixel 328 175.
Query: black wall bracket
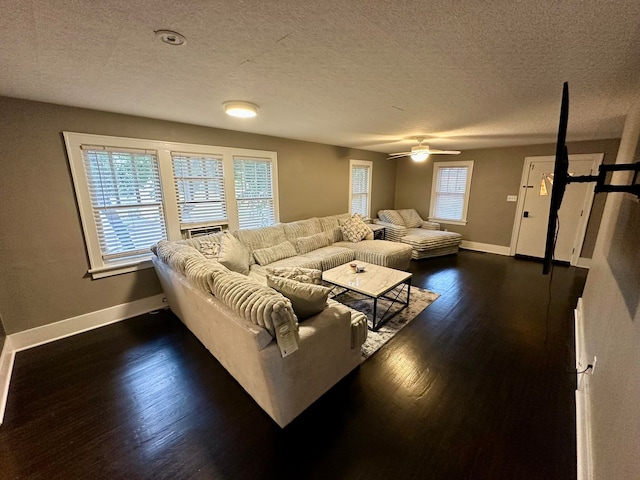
pixel 600 179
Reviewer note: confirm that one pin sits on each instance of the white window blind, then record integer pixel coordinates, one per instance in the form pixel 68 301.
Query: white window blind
pixel 253 181
pixel 360 185
pixel 199 184
pixel 126 198
pixel 450 191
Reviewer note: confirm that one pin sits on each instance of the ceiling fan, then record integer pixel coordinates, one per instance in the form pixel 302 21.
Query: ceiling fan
pixel 421 152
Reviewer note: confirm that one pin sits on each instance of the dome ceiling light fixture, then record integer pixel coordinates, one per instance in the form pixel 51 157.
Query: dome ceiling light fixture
pixel 241 109
pixel 170 37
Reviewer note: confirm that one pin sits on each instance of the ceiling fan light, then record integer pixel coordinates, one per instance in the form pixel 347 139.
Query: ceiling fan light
pixel 240 109
pixel 419 156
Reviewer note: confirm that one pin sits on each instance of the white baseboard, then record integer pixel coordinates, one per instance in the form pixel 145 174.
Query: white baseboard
pixel 17 342
pixel 82 323
pixel 6 366
pixel 486 247
pixel 583 419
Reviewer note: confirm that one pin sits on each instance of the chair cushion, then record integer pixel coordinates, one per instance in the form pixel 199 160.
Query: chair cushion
pixel 421 239
pixel 391 216
pixel 411 218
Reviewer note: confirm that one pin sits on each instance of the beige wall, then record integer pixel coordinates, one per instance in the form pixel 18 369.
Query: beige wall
pixel 42 252
pixel 611 317
pixel 496 174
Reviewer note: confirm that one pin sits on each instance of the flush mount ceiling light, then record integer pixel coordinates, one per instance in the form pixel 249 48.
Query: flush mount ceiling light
pixel 240 109
pixel 170 37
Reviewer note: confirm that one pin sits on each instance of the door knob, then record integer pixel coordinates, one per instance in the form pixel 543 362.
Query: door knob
pixel 526 214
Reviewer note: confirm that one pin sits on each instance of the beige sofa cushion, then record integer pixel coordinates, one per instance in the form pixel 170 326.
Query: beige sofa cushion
pixel 411 218
pixel 176 254
pixel 307 299
pixel 203 272
pixel 254 302
pixel 380 252
pixel 301 228
pixel 331 226
pixel 331 256
pixel 263 237
pixel 311 243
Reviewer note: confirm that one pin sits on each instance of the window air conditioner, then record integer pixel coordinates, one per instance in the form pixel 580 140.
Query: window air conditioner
pixel 200 231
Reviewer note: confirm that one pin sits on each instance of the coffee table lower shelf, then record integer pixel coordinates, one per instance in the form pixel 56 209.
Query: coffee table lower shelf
pixel 385 317
pixel 376 282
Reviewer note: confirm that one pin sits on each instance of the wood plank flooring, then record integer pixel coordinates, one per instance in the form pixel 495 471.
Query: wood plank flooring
pixel 477 387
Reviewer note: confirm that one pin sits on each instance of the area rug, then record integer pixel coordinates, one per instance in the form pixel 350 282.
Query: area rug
pixel 420 299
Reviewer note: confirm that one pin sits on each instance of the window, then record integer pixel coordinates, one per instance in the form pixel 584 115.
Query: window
pixel 199 185
pixel 123 196
pixel 132 193
pixel 360 187
pixel 253 179
pixel 450 192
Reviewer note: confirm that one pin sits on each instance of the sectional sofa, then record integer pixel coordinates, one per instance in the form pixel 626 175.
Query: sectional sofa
pixel 219 286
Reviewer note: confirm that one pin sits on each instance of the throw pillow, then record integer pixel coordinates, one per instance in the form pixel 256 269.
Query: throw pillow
pixel 233 254
pixel 311 243
pixel 306 299
pixel 299 274
pixel 411 218
pixel 354 229
pixel 209 249
pixel 391 216
pixel 265 256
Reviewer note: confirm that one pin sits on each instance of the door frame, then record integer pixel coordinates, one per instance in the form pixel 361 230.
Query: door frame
pixel 596 159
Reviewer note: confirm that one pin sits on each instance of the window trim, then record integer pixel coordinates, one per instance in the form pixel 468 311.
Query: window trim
pixel 360 163
pixel 98 268
pixel 434 183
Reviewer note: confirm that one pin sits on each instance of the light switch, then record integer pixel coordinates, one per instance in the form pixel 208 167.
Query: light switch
pixel 512 198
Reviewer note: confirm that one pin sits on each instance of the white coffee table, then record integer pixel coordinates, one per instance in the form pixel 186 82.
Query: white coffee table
pixel 375 282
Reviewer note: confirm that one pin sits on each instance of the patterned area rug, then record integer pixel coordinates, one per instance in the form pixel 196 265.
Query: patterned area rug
pixel 420 299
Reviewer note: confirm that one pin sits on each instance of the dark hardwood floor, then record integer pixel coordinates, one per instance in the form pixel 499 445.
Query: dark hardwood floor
pixel 478 386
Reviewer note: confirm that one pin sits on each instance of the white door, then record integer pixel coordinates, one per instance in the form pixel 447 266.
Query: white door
pixel 573 214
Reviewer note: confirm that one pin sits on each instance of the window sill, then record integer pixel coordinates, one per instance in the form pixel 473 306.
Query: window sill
pixel 448 221
pixel 120 268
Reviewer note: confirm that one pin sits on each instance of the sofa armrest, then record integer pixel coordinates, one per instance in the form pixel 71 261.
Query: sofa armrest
pixel 430 225
pixel 393 232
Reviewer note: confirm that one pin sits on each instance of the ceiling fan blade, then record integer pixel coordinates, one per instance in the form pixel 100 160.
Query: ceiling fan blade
pixel 399 154
pixel 444 152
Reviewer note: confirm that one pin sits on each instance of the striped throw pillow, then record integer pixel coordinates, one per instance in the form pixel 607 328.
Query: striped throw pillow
pixel 265 256
pixel 311 243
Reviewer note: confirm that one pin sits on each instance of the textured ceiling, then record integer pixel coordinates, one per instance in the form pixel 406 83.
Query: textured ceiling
pixel 365 74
